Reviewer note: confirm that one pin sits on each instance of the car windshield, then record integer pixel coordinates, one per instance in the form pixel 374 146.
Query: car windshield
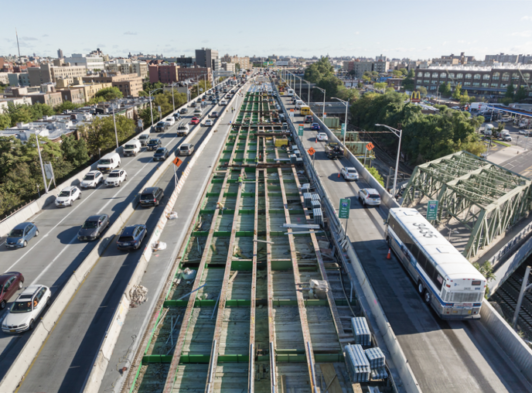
pixel 16 233
pixel 184 147
pixel 160 150
pixel 154 141
pixel 114 174
pixel 352 171
pixel 64 193
pixel 125 239
pixel 90 225
pixel 160 124
pixel 130 146
pixel 146 197
pixel 105 162
pixel 20 307
pixel 88 177
pixel 374 196
pixel 145 136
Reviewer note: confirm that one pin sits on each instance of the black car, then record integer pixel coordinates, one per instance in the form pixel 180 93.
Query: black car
pixel 161 154
pixel 154 144
pixel 93 227
pixel 193 104
pixel 151 196
pixel 177 116
pixel 131 237
pixel 161 126
pixel 213 114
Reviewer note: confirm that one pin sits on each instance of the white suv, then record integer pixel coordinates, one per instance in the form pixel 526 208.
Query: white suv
pixel 116 178
pixel 349 173
pixel 26 310
pixel 369 196
pixel 67 196
pixel 92 179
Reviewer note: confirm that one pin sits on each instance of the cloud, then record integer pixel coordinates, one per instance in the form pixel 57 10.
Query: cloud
pixel 204 41
pixel 28 39
pixel 46 35
pixel 526 18
pixel 357 33
pixel 526 33
pixel 130 33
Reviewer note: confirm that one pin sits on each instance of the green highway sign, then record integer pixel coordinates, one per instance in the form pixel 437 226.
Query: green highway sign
pixel 345 206
pixel 432 210
pixel 300 130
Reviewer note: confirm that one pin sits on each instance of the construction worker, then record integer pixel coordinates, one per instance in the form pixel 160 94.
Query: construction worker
pixel 240 180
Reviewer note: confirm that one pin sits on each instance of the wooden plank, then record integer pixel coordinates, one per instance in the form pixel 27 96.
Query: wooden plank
pixel 330 377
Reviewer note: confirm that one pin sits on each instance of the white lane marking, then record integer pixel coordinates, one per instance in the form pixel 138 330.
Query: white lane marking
pixel 64 218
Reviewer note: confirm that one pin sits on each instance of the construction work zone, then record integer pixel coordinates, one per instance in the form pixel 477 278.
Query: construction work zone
pixel 257 302
pixel 478 201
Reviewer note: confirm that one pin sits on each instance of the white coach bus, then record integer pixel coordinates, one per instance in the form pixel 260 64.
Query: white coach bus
pixel 443 276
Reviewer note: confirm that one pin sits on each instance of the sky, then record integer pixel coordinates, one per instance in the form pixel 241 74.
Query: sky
pixel 417 29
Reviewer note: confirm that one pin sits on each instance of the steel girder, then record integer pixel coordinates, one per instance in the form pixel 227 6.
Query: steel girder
pixel 486 198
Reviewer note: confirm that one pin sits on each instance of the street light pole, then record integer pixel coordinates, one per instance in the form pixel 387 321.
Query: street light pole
pixel 346 103
pixel 40 159
pixel 399 134
pixel 173 103
pixel 323 110
pixel 114 122
pixel 151 106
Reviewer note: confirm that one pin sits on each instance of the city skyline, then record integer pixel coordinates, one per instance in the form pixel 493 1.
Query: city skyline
pixel 416 29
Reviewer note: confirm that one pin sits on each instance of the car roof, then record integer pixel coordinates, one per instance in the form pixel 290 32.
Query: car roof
pixel 94 218
pixel 31 290
pixel 149 190
pixel 6 276
pixel 185 145
pixel 94 173
pixel 350 167
pixel 115 171
pixel 128 231
pixel 22 225
pixel 371 191
pixel 69 188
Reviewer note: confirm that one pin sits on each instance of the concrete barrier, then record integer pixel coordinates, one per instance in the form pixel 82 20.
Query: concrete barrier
pixel 364 290
pixel 24 359
pixel 507 338
pixel 113 332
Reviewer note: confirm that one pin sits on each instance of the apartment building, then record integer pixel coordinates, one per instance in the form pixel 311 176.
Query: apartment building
pixel 18 79
pixel 75 95
pixel 195 73
pixel 92 63
pixel 50 73
pixel 164 73
pixel 5 102
pixel 206 57
pixel 490 80
pixel 129 84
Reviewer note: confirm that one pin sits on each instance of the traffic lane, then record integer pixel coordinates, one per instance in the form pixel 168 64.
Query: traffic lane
pixel 72 369
pixel 67 357
pixel 417 329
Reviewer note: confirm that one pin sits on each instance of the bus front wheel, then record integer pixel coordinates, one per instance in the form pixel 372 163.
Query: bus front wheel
pixel 427 297
pixel 420 288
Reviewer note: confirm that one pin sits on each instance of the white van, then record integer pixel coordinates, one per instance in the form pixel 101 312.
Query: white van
pixel 170 121
pixel 109 162
pixel 299 104
pixel 132 147
pixel 290 92
pixel 183 129
pixel 223 102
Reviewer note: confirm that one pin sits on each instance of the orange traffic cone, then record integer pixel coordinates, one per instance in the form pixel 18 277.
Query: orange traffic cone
pixel 389 256
pixel 316 140
pixel 338 174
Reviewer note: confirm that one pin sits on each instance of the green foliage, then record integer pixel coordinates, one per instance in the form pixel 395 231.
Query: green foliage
pixel 457 92
pixel 397 73
pixel 425 137
pixel 375 173
pixel 464 98
pixel 422 90
pixel 403 71
pixel 74 150
pixel 96 100
pixel 352 73
pixel 237 67
pixel 100 134
pixel 366 78
pixel 109 93
pixel 510 91
pixel 507 100
pixel 520 94
pixel 445 89
pixel 165 101
pixel 380 85
pixel 66 106
pixel 5 121
pixel 486 269
pixel 408 82
pixel 322 73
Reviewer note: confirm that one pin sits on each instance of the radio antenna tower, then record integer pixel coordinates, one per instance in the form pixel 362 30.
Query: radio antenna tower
pixel 18 46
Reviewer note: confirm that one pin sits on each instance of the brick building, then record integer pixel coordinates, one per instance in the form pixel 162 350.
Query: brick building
pixel 194 73
pixel 492 80
pixel 164 73
pixel 129 84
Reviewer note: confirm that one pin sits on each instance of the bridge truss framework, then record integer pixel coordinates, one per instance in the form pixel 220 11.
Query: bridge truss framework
pixel 484 197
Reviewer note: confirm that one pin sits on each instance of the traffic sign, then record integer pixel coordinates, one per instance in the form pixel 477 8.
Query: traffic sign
pixel 345 206
pixel 177 161
pixel 311 151
pixel 370 146
pixel 343 129
pixel 300 130
pixel 432 210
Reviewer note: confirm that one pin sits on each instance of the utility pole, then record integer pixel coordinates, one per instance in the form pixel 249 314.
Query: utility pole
pixel 18 46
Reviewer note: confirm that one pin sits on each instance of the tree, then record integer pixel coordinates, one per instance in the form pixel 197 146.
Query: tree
pixel 237 67
pixel 66 106
pixel 445 89
pixel 457 92
pixel 380 85
pixel 100 134
pixel 397 73
pixel 422 90
pixel 109 93
pixel 507 100
pixel 375 173
pixel 521 94
pixel 366 78
pixel 464 98
pixel 75 151
pixel 408 82
pixel 510 91
pixel 5 121
pixel 404 71
pixel 352 73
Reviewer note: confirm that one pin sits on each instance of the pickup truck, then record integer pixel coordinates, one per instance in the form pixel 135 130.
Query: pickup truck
pixel 334 150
